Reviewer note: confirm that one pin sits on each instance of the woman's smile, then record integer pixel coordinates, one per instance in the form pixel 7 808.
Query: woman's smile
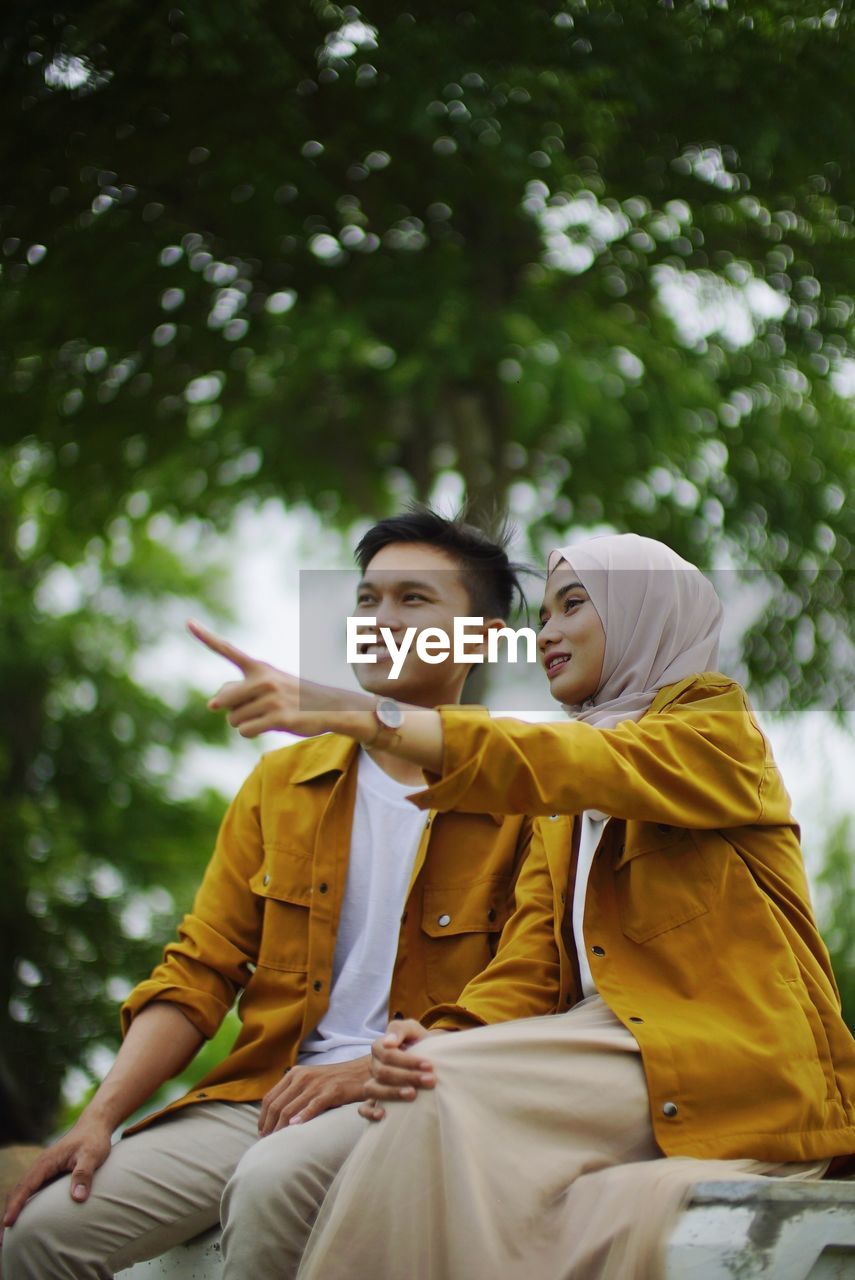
pixel 555 662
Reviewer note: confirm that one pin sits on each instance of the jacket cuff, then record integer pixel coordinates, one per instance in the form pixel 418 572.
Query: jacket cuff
pixel 205 1011
pixel 451 1017
pixel 461 734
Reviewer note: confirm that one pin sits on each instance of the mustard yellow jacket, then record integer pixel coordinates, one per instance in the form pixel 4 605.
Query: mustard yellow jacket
pixel 264 922
pixel 698 922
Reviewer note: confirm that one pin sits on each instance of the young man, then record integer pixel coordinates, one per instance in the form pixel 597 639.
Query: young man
pixel 331 904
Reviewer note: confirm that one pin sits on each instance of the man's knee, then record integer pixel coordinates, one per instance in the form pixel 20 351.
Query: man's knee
pixel 267 1166
pixel 36 1246
pixel 250 1171
pixel 292 1167
pixel 251 1186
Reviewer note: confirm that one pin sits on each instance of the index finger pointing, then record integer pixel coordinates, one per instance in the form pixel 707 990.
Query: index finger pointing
pixel 222 647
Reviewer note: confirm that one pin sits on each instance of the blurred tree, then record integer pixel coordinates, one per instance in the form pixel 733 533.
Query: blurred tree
pixel 836 886
pixel 594 256
pixel 98 854
pixel 317 251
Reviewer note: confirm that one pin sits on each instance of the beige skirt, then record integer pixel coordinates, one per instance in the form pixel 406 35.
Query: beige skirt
pixel 532 1159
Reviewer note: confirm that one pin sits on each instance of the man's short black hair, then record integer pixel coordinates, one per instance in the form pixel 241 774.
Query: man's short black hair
pixel 489 576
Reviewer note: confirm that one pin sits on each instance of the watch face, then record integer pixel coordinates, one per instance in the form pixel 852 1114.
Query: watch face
pixel 389 713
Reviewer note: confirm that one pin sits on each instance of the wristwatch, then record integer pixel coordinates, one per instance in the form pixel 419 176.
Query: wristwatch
pixel 389 715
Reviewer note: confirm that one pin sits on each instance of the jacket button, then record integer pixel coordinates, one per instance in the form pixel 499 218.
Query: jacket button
pixel 634 1019
pixel 670 1109
pixel 553 817
pixel 317 984
pixel 324 887
pixel 265 879
pixel 598 951
pixel 397 1014
pixel 491 914
pixel 443 921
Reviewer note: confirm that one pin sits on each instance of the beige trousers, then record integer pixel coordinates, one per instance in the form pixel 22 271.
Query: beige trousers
pixel 534 1156
pixel 164 1185
pixel 155 1189
pixel 273 1198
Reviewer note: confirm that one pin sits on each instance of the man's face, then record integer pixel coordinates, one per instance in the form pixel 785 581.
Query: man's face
pixel 412 585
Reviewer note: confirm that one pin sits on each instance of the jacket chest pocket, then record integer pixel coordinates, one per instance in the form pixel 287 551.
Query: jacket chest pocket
pixel 663 886
pixel 460 932
pixel 283 889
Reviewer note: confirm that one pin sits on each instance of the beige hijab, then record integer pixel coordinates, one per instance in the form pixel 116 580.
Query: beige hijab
pixel 661 616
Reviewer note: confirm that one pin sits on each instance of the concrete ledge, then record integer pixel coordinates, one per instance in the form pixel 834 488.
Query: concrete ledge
pixel 199 1259
pixel 765 1231
pixel 730 1231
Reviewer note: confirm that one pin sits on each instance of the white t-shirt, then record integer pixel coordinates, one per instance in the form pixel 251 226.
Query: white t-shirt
pixel 592 829
pixel 383 844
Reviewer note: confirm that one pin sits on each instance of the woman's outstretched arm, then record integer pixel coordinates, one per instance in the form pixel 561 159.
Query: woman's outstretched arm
pixel 697 761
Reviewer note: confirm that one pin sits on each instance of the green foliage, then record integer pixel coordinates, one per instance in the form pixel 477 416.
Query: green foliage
pixel 596 257
pixel 836 884
pixel 99 855
pixel 444 238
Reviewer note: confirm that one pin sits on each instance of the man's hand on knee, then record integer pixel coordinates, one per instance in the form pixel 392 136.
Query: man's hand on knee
pixel 305 1092
pixel 397 1067
pixel 80 1152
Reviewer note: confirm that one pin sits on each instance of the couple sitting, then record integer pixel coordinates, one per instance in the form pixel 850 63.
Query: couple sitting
pixel 638 976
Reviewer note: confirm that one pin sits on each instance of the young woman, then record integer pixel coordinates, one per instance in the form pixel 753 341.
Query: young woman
pixel 663 914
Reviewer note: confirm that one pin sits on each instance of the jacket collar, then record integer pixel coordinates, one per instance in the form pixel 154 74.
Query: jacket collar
pixel 334 753
pixel 327 753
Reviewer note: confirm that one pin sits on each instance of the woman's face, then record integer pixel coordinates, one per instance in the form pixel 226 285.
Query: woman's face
pixel 572 642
